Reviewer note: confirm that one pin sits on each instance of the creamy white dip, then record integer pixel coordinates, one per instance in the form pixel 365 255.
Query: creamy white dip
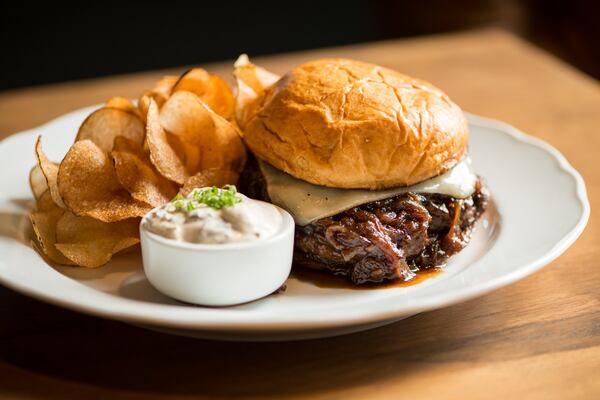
pixel 186 219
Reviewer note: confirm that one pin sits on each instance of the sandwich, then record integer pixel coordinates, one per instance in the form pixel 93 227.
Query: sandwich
pixel 372 164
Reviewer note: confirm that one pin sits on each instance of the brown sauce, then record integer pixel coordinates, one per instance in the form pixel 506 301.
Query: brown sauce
pixel 327 280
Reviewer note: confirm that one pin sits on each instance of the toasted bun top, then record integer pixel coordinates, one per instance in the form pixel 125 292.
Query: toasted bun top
pixel 349 124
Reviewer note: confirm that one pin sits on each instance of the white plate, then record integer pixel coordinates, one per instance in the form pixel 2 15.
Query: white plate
pixel 541 209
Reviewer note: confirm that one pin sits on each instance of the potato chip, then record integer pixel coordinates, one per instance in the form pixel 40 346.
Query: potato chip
pixel 185 115
pixel 193 78
pixel 143 105
pixel 162 154
pixel 144 102
pixel 213 90
pixel 160 93
pixel 189 154
pixel 252 82
pixel 138 176
pixel 257 78
pixel 247 104
pixel 219 97
pixel 50 172
pixel 37 181
pixel 103 125
pixel 91 243
pixel 122 103
pixel 44 227
pixel 210 177
pixel 88 184
pixel 218 140
pixel 164 85
pixel 71 240
pixel 123 144
pixel 45 202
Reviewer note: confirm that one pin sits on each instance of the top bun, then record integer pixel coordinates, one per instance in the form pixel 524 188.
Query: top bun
pixel 349 124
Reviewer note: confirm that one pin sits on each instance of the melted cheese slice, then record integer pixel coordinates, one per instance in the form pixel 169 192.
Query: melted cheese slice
pixel 308 203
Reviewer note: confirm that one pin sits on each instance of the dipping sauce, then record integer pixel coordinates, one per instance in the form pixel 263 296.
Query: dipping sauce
pixel 212 215
pixel 217 247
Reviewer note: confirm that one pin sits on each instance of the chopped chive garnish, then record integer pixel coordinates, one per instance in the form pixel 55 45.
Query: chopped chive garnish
pixel 213 197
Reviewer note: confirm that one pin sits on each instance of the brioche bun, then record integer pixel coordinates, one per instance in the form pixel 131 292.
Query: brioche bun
pixel 349 124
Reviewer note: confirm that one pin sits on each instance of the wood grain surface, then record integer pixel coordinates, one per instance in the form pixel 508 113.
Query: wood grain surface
pixel 537 339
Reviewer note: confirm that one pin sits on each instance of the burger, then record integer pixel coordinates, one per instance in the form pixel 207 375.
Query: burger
pixel 371 163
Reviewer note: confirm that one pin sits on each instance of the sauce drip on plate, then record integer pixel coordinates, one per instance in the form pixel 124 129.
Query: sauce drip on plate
pixel 323 279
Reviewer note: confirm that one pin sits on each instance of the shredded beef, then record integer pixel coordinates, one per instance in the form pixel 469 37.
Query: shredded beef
pixel 386 239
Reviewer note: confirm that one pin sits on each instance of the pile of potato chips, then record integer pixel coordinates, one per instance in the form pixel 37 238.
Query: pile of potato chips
pixel 128 159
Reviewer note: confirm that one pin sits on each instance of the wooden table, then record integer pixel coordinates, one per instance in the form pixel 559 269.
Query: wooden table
pixel 539 338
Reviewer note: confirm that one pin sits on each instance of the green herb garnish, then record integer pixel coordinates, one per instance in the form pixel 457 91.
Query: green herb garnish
pixel 178 202
pixel 217 198
pixel 213 197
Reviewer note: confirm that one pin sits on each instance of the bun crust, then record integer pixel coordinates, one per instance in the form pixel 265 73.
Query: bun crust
pixel 349 124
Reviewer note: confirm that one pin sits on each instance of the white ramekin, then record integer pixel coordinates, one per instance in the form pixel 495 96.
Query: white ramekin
pixel 219 274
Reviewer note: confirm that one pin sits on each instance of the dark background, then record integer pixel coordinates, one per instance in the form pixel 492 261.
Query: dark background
pixel 52 43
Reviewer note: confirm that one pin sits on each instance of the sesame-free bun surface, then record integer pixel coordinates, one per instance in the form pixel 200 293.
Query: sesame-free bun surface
pixel 349 124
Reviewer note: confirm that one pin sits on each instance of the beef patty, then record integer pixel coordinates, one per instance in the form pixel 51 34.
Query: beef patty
pixel 383 240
